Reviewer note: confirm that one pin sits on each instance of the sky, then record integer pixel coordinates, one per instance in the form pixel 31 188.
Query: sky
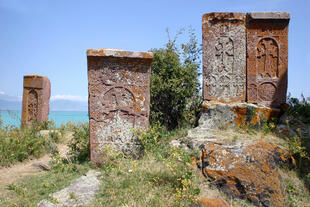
pixel 50 37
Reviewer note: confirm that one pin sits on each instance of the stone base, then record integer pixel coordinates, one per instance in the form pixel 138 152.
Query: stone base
pixel 217 115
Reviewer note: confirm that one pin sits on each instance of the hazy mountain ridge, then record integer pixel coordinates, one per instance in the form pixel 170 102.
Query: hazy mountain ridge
pixel 13 103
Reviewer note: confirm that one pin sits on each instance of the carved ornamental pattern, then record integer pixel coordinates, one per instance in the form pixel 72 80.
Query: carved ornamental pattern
pixel 36 95
pixel 119 99
pixel 245 57
pixel 224 57
pixel 267 61
pixel 32 106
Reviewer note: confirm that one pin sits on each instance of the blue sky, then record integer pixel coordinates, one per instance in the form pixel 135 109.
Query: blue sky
pixel 50 37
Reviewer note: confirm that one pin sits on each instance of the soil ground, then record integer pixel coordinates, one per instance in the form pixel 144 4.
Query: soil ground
pixel 31 167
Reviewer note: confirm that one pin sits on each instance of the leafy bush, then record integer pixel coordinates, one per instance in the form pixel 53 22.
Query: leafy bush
pixel 175 87
pixel 79 145
pixel 299 109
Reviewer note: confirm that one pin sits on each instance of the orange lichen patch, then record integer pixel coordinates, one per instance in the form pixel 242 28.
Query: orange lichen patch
pixel 118 53
pixel 253 116
pixel 212 202
pixel 249 172
pixel 223 16
pixel 241 115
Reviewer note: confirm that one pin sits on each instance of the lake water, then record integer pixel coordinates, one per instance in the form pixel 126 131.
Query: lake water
pixel 13 118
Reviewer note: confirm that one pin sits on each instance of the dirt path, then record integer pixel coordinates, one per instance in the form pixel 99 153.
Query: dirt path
pixel 30 167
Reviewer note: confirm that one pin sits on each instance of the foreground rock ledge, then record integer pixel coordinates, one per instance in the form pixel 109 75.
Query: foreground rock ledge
pixel 248 172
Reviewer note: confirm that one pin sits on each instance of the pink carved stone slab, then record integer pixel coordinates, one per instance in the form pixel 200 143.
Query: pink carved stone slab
pixel 36 96
pixel 267 57
pixel 119 98
pixel 224 57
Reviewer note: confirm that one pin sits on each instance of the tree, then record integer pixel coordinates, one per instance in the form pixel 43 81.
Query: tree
pixel 174 82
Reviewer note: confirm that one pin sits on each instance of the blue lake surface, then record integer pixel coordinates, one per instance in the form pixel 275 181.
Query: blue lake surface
pixel 13 118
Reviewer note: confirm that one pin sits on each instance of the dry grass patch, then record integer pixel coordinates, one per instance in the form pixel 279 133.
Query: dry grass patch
pixel 232 136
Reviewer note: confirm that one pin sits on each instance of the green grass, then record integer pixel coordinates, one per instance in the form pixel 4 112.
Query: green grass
pixel 164 176
pixel 148 182
pixel 32 189
pixel 19 144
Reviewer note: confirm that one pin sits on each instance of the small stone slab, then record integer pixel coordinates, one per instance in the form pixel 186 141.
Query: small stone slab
pixel 79 193
pixel 36 96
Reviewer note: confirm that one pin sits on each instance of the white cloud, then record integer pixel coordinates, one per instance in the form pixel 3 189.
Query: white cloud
pixel 2 92
pixel 69 98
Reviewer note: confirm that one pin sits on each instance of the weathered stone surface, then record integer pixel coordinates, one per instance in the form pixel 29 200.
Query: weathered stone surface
pixel 212 202
pixel 247 172
pixel 224 57
pixel 36 96
pixel 235 115
pixel 119 97
pixel 79 193
pixel 267 58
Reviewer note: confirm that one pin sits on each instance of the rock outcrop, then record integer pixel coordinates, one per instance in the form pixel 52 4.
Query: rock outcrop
pixel 212 202
pixel 248 172
pixel 215 115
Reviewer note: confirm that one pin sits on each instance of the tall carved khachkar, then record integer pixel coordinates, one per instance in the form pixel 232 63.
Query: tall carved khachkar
pixel 267 46
pixel 244 68
pixel 224 57
pixel 36 96
pixel 119 98
pixel 245 57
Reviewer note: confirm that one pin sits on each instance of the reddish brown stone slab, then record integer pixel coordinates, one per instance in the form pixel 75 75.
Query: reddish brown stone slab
pixel 224 57
pixel 267 57
pixel 119 98
pixel 36 96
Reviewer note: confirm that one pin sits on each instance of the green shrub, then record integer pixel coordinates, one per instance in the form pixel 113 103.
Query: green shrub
pixel 299 109
pixel 175 87
pixel 79 144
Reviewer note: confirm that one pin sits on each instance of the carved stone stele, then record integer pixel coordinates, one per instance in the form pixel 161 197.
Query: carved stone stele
pixel 267 60
pixel 224 57
pixel 119 98
pixel 36 96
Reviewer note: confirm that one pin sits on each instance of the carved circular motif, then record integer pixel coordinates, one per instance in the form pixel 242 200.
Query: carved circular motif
pixel 267 91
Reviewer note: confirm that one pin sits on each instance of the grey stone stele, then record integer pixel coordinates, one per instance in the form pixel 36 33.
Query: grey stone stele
pixel 79 193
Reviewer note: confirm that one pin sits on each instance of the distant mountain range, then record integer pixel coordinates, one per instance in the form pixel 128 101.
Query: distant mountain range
pixel 14 103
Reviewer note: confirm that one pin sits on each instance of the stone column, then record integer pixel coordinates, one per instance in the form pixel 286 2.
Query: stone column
pixel 224 57
pixel 119 98
pixel 267 49
pixel 36 96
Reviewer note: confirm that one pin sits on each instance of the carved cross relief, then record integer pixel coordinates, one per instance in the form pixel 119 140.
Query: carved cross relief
pixel 119 98
pixel 119 109
pixel 267 58
pixel 224 53
pixel 32 105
